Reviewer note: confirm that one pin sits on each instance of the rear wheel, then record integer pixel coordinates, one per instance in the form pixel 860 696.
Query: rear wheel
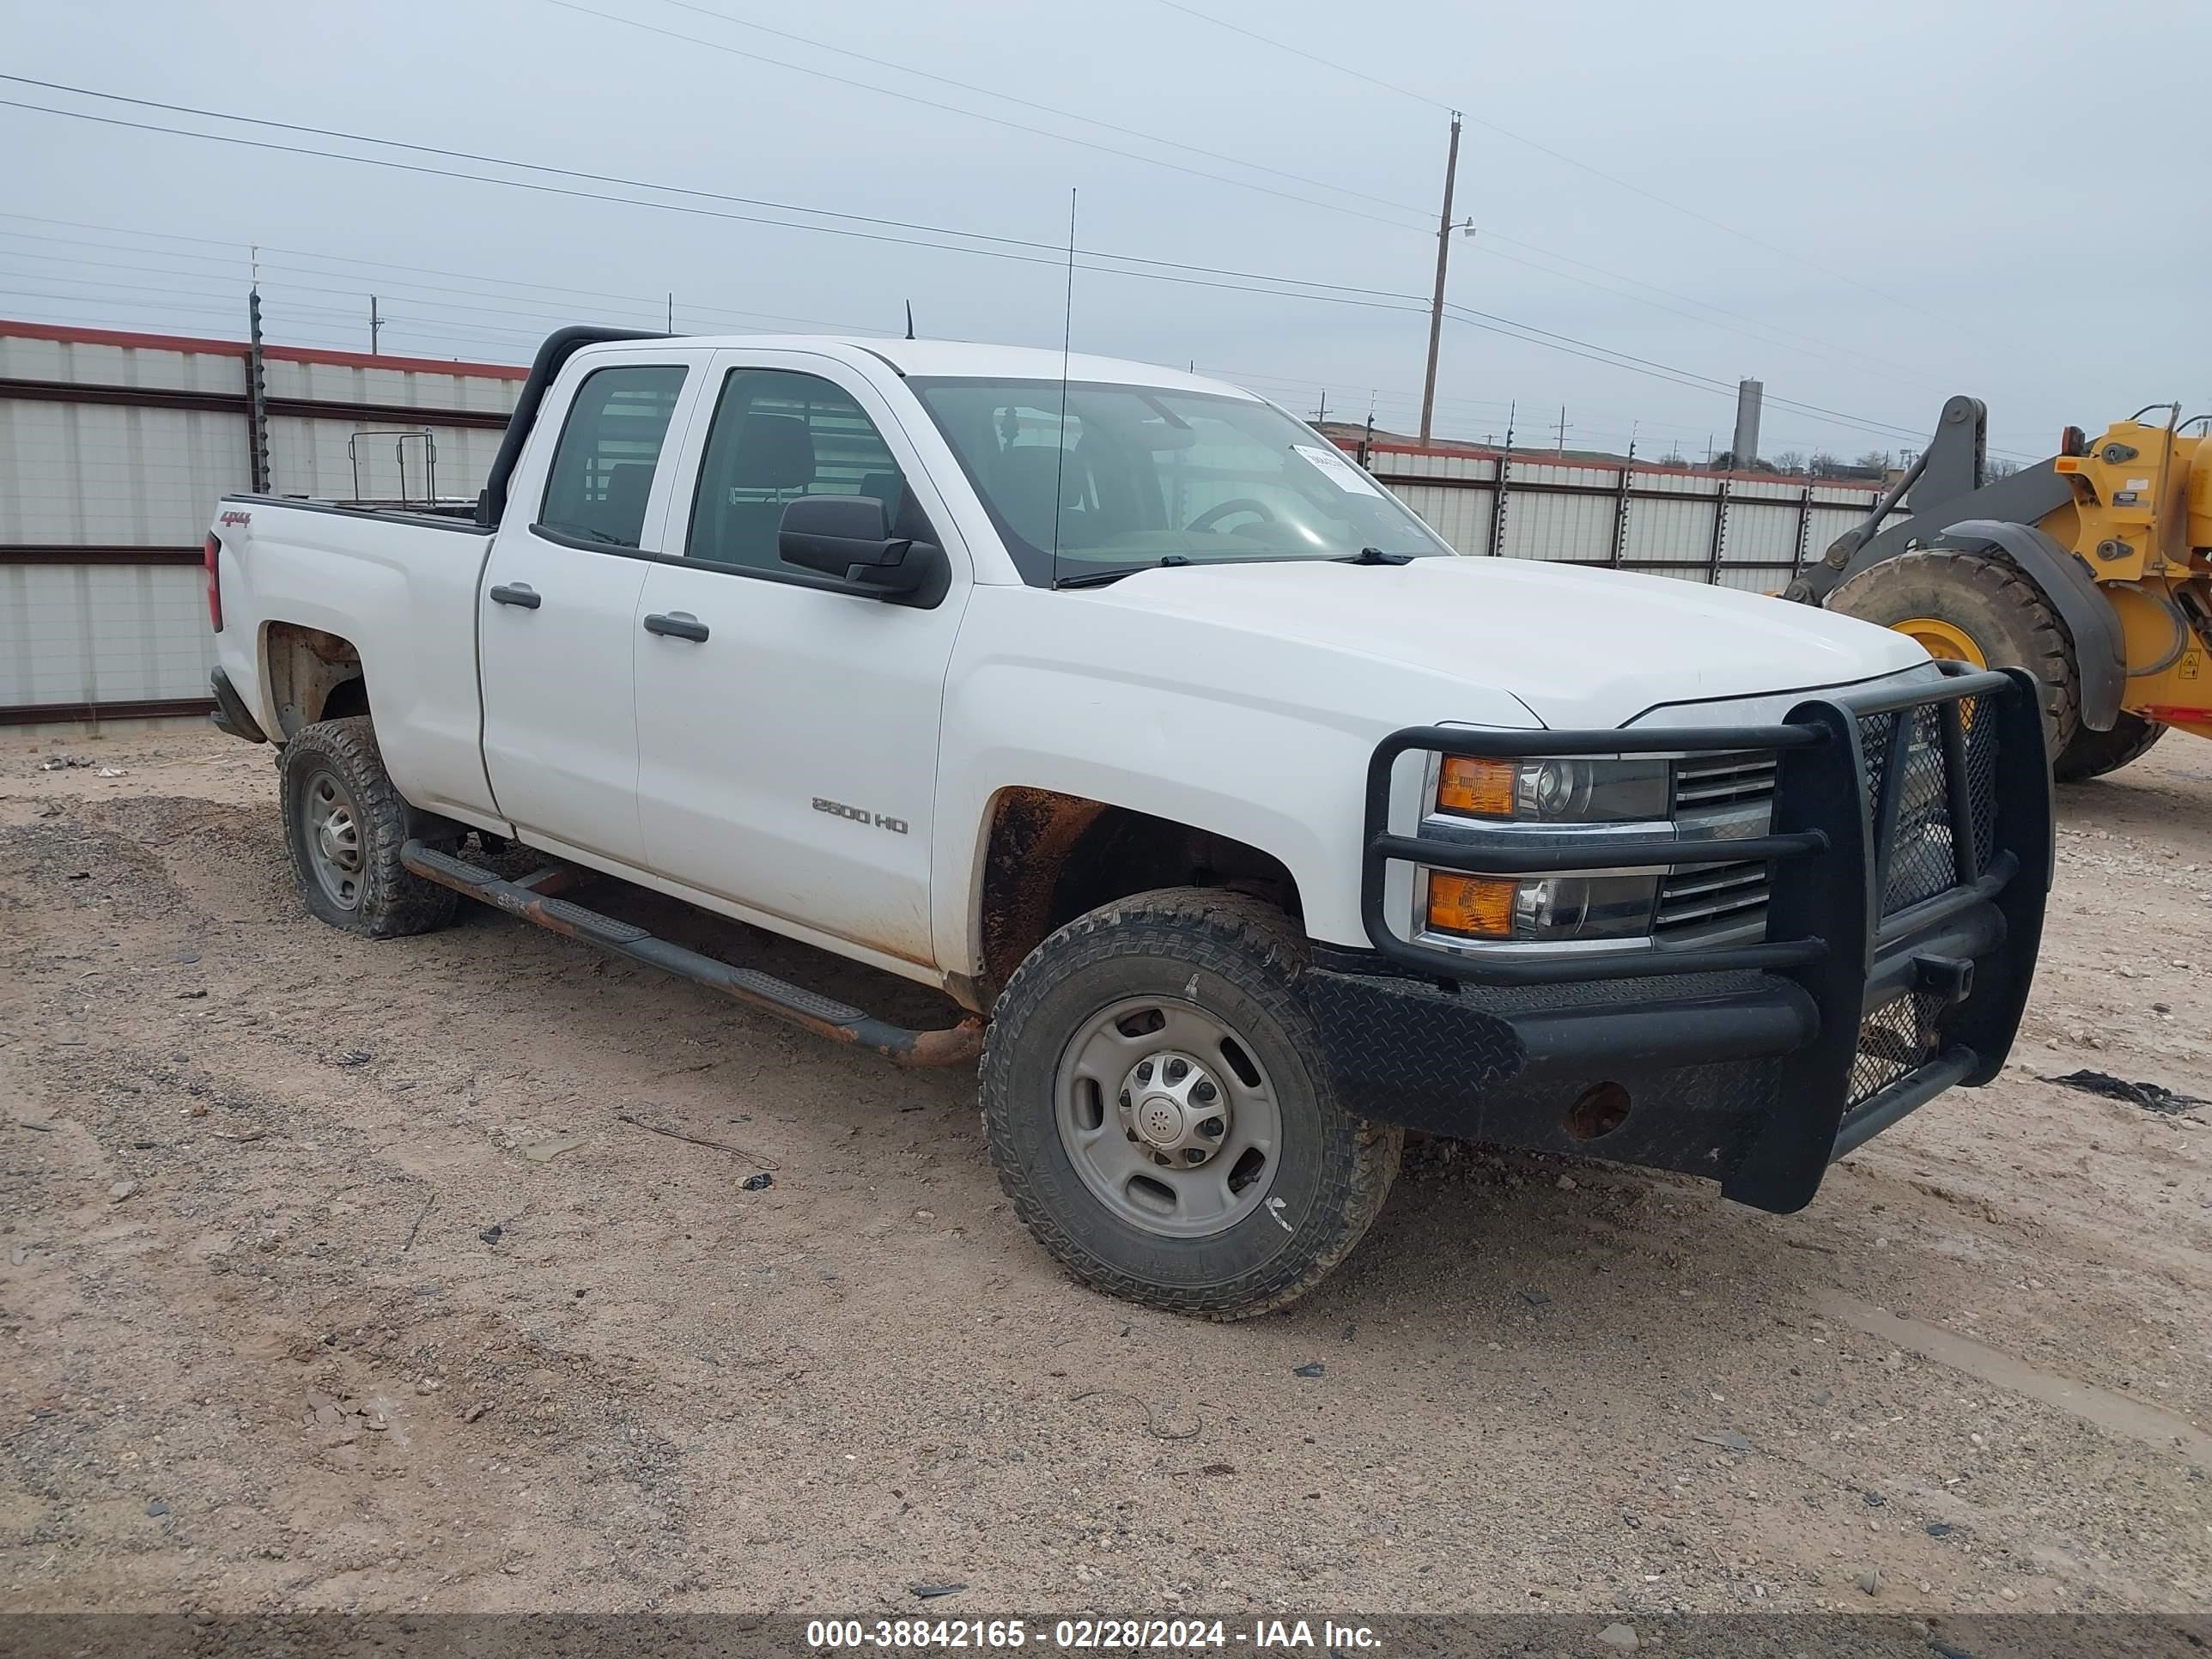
pixel 344 824
pixel 2092 754
pixel 1156 1102
pixel 1977 609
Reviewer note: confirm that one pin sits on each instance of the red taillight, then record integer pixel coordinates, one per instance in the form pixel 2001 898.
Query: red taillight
pixel 214 584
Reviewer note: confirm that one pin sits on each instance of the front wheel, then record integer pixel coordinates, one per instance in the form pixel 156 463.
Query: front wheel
pixel 1156 1103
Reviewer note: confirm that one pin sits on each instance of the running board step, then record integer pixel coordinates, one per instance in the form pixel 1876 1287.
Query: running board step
pixel 823 1016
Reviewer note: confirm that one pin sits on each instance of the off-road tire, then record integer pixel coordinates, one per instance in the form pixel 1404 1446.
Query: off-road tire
pixel 2092 754
pixel 393 900
pixel 1239 958
pixel 1987 598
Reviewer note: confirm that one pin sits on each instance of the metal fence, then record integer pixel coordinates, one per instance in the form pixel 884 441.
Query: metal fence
pixel 114 448
pixel 1735 529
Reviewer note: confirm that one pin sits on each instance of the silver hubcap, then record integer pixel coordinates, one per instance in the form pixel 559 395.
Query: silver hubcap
pixel 333 834
pixel 1168 1118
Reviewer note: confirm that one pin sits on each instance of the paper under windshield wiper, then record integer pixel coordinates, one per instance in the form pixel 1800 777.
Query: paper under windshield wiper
pixel 1100 578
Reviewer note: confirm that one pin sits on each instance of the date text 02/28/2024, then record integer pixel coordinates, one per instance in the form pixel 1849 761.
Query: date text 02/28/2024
pixel 1264 1634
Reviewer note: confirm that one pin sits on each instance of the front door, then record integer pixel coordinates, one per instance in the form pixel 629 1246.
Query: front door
pixel 558 612
pixel 787 733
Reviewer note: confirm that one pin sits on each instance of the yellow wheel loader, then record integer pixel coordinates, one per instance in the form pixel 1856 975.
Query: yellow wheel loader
pixel 2093 570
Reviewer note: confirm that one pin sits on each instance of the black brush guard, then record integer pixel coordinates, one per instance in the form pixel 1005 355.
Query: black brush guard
pixel 1889 972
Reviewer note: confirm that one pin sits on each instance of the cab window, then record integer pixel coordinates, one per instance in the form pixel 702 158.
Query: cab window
pixel 602 472
pixel 778 435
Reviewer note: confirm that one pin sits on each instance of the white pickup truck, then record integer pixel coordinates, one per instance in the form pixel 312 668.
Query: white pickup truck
pixel 1250 826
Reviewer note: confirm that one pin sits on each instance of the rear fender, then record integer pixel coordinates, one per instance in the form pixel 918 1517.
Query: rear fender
pixel 2099 650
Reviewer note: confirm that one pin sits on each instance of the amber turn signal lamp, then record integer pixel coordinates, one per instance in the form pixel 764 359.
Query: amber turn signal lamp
pixel 1479 906
pixel 1483 787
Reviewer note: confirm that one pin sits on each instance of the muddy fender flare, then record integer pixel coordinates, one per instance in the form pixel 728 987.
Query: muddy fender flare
pixel 2100 653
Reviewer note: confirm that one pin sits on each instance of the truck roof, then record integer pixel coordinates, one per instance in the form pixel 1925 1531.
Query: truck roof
pixel 969 359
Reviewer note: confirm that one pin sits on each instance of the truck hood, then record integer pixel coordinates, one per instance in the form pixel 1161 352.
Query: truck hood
pixel 1578 647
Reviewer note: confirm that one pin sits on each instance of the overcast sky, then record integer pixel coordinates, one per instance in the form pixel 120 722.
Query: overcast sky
pixel 1867 206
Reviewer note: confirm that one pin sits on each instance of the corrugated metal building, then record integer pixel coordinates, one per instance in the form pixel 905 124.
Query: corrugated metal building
pixel 114 448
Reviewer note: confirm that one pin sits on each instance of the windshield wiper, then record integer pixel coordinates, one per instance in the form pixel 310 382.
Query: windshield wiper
pixel 1373 555
pixel 1100 578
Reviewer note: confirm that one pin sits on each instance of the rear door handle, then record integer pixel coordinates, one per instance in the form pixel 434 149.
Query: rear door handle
pixel 678 625
pixel 522 593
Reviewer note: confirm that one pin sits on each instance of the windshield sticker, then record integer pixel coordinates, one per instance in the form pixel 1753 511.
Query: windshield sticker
pixel 1338 470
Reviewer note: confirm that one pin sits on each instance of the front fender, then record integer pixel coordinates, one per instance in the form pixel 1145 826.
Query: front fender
pixel 2099 650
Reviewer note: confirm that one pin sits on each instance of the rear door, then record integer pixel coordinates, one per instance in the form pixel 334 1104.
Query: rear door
pixel 556 616
pixel 787 733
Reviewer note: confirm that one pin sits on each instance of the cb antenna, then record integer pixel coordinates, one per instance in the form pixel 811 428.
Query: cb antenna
pixel 1067 334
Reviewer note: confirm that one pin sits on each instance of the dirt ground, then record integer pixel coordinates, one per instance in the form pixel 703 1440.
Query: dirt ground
pixel 298 1314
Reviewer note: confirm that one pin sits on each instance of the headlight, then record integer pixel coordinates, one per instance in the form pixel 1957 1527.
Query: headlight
pixel 1555 791
pixel 1540 909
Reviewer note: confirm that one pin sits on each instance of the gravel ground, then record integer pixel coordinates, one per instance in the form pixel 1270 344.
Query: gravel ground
pixel 333 1279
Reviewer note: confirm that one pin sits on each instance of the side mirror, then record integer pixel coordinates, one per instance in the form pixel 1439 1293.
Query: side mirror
pixel 844 537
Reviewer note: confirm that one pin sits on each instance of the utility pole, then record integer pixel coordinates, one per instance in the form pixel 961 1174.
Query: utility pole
pixel 1436 303
pixel 1562 430
pixel 375 325
pixel 672 311
pixel 1322 414
pixel 257 388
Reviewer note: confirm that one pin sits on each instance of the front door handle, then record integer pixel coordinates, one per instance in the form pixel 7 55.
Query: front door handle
pixel 522 593
pixel 678 625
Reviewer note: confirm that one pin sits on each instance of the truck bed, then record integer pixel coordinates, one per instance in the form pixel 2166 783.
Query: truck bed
pixel 401 584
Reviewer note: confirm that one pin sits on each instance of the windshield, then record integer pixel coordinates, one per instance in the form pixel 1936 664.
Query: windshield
pixel 1144 475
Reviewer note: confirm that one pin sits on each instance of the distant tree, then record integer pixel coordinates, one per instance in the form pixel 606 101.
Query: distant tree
pixel 1996 469
pixel 1874 460
pixel 1790 460
pixel 1823 465
pixel 1673 457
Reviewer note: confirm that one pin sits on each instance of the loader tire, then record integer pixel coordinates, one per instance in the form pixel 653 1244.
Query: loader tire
pixel 1997 609
pixel 2092 754
pixel 344 824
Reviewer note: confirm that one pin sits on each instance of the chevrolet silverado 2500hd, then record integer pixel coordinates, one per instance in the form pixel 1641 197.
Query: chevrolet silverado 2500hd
pixel 1251 826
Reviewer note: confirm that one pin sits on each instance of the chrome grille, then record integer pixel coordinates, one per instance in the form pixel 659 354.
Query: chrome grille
pixel 1699 905
pixel 1705 782
pixel 1715 903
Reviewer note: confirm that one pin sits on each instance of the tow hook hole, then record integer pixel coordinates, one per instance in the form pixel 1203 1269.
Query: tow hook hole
pixel 1599 1110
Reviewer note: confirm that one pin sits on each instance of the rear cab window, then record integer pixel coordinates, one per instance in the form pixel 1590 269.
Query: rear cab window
pixel 601 476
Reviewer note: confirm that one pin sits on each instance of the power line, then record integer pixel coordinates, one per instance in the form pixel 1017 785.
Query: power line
pixel 1038 247
pixel 645 304
pixel 1155 270
pixel 1311 57
pixel 986 92
pixel 973 115
pixel 1027 103
pixel 1570 160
